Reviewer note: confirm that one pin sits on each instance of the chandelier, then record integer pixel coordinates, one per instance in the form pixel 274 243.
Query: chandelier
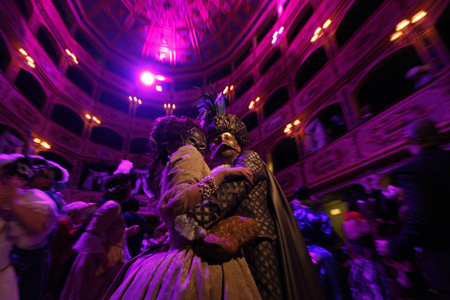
pixel 169 11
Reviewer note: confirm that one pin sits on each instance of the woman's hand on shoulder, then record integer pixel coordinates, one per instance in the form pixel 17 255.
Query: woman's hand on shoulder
pixel 237 172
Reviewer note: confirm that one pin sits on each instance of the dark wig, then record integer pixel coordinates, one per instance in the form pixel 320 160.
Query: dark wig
pixel 117 187
pixel 166 132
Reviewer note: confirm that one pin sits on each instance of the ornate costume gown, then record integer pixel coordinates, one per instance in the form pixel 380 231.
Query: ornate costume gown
pixel 175 270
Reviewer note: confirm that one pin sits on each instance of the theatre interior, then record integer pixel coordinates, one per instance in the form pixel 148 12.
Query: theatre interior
pixel 325 87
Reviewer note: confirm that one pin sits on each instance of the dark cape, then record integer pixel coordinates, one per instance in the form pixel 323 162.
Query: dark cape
pixel 299 275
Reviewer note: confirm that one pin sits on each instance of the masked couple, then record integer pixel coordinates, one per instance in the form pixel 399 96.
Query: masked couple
pixel 275 265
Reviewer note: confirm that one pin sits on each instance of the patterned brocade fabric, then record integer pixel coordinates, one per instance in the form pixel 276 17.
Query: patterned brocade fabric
pixel 239 198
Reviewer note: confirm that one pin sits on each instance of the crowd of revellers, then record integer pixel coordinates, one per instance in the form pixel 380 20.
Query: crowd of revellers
pixel 227 232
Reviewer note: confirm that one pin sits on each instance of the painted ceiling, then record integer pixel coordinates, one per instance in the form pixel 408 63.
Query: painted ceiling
pixel 176 33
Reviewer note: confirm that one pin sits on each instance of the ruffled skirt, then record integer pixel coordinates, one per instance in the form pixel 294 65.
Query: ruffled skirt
pixel 181 274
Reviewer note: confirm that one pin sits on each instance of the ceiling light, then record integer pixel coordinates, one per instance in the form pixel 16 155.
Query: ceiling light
pixel 147 78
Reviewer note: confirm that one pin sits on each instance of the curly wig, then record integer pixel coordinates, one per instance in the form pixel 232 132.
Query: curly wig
pixel 168 130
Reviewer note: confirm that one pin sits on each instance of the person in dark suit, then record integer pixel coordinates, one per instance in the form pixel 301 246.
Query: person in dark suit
pixel 425 182
pixel 278 258
pixel 132 218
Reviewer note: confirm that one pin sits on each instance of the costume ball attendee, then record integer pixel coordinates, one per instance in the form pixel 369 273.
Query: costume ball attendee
pixel 100 247
pixel 320 238
pixel 278 259
pixel 27 217
pixel 367 278
pixel 425 184
pixel 176 269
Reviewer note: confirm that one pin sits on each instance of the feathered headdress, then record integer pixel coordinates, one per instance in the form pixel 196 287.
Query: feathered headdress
pixel 214 119
pixel 210 105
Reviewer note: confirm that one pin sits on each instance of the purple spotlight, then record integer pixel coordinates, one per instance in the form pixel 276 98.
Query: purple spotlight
pixel 147 78
pixel 160 77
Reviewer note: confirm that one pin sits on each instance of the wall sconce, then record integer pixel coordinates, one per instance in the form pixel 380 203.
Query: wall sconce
pixel 92 118
pixel 292 128
pixel 407 27
pixel 74 58
pixel 320 31
pixel 227 89
pixel 134 100
pixel 253 104
pixel 277 34
pixel 29 59
pixel 169 108
pixel 40 145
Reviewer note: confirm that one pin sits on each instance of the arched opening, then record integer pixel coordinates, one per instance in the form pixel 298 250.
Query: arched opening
pixel 5 57
pixel 266 29
pixel 300 21
pixel 25 8
pixel 94 176
pixel 11 141
pixel 139 145
pixel 57 159
pixel 67 118
pixel 106 137
pixel 187 85
pixel 386 84
pixel 270 61
pixel 84 41
pixel 49 44
pixel 310 67
pixel 356 16
pixel 31 88
pixel 243 56
pixel 79 79
pixel 150 112
pixel 243 88
pixel 275 101
pixel 222 73
pixel 284 154
pixel 251 120
pixel 64 12
pixel 325 127
pixel 120 103
pixel 443 26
